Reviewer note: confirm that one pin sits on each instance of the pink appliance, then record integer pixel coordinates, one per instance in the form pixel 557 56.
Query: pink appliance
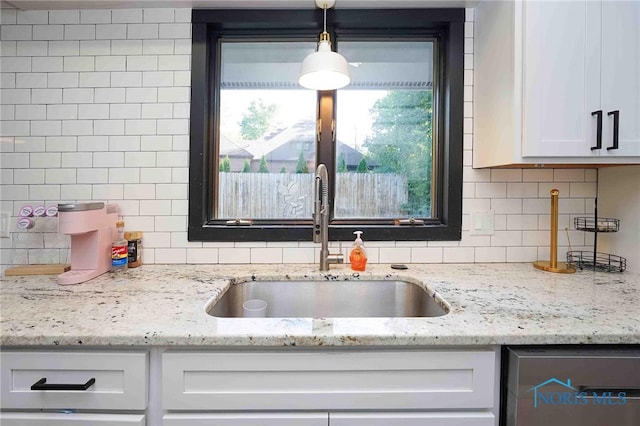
pixel 92 227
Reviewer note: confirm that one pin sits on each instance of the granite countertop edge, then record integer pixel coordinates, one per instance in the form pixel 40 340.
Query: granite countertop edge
pixel 163 305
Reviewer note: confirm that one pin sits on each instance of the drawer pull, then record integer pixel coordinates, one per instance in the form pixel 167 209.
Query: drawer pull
pixel 42 385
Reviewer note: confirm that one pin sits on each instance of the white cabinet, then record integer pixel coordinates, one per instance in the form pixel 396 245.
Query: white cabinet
pixel 552 78
pixel 246 419
pixel 399 387
pixel 70 419
pixel 101 381
pixel 411 419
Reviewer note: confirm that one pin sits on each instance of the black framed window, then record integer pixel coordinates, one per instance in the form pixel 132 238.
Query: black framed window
pixel 391 140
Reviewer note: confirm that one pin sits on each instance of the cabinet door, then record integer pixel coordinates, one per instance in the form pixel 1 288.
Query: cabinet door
pixel 621 75
pixel 71 419
pixel 246 419
pixel 561 78
pixel 412 419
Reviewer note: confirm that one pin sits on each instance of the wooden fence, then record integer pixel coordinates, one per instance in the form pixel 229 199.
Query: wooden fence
pixel 290 195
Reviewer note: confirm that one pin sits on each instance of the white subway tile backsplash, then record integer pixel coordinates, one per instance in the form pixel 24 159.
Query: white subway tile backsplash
pixel 108 192
pixel 124 111
pixel 48 32
pixel 124 143
pixel 155 207
pixel 156 143
pixel 79 160
pixel 157 111
pixel 60 143
pixel 142 63
pixel 124 175
pixel 17 64
pixel 28 176
pixel 110 63
pixel 93 143
pixel 142 31
pixel 108 159
pixel 97 16
pixel 45 64
pixel 126 16
pixel 15 128
pixel 95 47
pixel 16 32
pixel 146 94
pixel 106 94
pixel 32 17
pixel 182 15
pixel 9 16
pixel 108 127
pixel 174 62
pixel 93 111
pixel 155 175
pixel 76 192
pixel 110 95
pixel 31 48
pixel 77 96
pixel 94 79
pixel 30 112
pixel 174 94
pixel 158 47
pixel 46 128
pixel 140 159
pixel 157 78
pixel 63 79
pixel 79 63
pixel 177 31
pixel 157 15
pixel 62 176
pixel 93 176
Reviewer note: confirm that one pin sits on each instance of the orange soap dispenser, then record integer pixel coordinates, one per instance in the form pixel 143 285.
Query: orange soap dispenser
pixel 358 255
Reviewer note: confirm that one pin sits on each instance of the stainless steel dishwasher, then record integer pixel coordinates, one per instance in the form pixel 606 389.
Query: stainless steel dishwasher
pixel 565 386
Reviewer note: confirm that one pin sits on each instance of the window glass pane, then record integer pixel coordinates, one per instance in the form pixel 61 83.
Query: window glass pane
pixel 267 144
pixel 385 131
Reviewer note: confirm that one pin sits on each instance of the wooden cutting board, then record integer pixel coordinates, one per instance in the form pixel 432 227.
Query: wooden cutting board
pixel 53 269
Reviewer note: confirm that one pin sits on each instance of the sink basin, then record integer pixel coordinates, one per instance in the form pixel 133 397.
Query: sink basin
pixel 330 299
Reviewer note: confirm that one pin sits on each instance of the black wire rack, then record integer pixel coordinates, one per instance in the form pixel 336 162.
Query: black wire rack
pixel 593 224
pixel 603 262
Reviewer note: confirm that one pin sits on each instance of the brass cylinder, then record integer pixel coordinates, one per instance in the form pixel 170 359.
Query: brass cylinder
pixel 553 241
pixel 553 265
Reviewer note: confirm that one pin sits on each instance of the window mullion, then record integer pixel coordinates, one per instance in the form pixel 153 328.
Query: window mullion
pixel 325 142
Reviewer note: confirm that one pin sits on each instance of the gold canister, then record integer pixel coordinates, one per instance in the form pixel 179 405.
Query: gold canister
pixel 134 250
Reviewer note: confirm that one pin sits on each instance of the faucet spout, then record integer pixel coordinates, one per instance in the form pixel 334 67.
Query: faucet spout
pixel 321 218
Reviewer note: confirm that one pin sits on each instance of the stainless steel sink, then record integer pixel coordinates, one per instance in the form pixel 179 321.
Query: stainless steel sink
pixel 331 299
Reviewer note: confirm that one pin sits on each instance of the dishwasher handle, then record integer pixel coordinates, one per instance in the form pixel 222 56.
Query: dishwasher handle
pixel 629 392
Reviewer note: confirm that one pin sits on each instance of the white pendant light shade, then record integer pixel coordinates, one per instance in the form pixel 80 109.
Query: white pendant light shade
pixel 324 69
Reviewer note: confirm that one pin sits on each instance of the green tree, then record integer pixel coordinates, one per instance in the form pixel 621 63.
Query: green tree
pixel 257 119
pixel 402 143
pixel 225 164
pixel 283 170
pixel 246 168
pixel 264 167
pixel 342 163
pixel 362 166
pixel 301 166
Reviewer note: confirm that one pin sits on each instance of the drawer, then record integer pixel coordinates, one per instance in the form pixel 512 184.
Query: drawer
pixel 71 419
pixel 340 380
pixel 246 419
pixel 120 380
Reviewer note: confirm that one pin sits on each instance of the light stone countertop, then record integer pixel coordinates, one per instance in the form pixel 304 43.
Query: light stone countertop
pixel 163 305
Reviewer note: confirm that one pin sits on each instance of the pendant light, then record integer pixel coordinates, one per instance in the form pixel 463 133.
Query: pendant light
pixel 324 69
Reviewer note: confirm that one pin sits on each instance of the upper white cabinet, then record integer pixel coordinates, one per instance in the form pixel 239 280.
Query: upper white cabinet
pixel 557 83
